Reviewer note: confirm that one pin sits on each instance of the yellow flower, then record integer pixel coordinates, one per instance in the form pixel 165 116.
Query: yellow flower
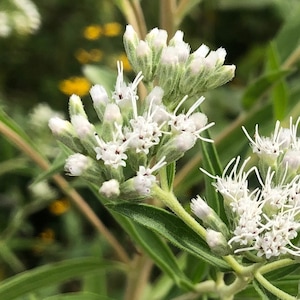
pixel 75 85
pixel 59 207
pixel 92 32
pixel 82 56
pixel 47 235
pixel 96 55
pixel 112 29
pixel 126 64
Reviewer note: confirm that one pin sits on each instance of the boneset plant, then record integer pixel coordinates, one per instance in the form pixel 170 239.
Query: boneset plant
pixel 129 157
pixel 199 228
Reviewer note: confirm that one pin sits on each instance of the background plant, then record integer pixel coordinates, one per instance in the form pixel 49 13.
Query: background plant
pixel 274 95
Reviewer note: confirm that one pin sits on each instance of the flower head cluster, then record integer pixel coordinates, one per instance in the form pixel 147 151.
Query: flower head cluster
pixel 265 219
pixel 178 71
pixel 20 16
pixel 133 140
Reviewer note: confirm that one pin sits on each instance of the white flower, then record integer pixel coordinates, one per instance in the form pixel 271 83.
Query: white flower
pixel 144 179
pixel 234 185
pixel 123 93
pixel 190 122
pixel 76 164
pixel 144 132
pixel 113 152
pixel 267 148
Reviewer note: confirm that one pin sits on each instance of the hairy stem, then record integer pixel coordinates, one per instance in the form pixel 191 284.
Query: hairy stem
pixel 273 289
pixel 171 201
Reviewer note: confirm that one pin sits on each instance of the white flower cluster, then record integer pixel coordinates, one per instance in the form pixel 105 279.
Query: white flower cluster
pixel 265 219
pixel 133 140
pixel 20 16
pixel 178 71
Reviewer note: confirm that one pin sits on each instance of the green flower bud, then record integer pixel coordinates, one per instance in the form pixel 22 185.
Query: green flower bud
pixel 208 216
pixel 100 99
pixel 64 132
pixel 220 77
pixel 131 40
pixel 85 132
pixel 217 242
pixel 144 60
pixel 110 189
pixel 176 146
pixel 76 106
pixel 80 165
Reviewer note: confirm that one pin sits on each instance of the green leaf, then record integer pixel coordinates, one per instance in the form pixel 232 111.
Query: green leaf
pixel 9 122
pixel 150 242
pixel 257 88
pixel 32 280
pixel 279 91
pixel 158 251
pixel 171 171
pixel 288 39
pixel 172 228
pixel 78 296
pixel 282 272
pixel 259 291
pixel 212 165
pixel 100 75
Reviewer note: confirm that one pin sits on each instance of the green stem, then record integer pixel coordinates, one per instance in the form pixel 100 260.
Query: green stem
pixel 172 202
pixel 202 288
pixel 277 265
pixel 273 289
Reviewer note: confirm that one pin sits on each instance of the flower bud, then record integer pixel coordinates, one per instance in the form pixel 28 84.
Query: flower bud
pixel 176 146
pixel 220 77
pixel 76 106
pixel 130 41
pixel 144 61
pixel 80 165
pixel 64 132
pixel 217 242
pixel 85 132
pixel 208 216
pixel 110 189
pixel 100 99
pixel 76 164
pixel 168 71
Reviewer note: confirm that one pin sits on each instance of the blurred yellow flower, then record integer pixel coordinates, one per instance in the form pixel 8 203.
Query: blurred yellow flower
pixel 59 207
pixel 112 29
pixel 96 55
pixel 47 235
pixel 75 85
pixel 126 64
pixel 82 56
pixel 92 32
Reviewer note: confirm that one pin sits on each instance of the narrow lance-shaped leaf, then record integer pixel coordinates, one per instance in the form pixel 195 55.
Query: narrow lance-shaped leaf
pixel 279 91
pixel 172 228
pixel 257 88
pixel 152 244
pixel 32 280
